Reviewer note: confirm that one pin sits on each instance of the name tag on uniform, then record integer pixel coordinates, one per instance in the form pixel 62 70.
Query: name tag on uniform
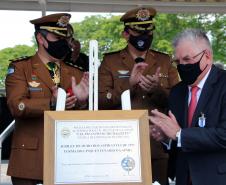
pixel 35 89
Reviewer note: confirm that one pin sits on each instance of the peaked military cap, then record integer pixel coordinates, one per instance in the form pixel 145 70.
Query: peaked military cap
pixel 56 23
pixel 139 19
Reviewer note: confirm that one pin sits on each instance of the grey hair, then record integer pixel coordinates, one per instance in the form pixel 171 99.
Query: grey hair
pixel 193 35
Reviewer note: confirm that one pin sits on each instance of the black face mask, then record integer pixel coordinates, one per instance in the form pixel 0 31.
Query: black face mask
pixel 58 49
pixel 141 42
pixel 190 72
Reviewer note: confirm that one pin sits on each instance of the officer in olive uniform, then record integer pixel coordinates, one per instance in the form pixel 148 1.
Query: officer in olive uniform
pixel 31 88
pixel 147 73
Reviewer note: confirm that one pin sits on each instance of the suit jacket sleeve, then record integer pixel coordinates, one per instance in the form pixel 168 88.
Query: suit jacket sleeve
pixel 17 94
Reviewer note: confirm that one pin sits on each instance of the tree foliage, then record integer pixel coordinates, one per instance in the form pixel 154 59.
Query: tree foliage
pixel 107 31
pixel 8 54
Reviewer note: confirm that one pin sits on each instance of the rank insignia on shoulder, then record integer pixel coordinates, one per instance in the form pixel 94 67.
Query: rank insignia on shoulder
pixel 20 59
pixel 75 66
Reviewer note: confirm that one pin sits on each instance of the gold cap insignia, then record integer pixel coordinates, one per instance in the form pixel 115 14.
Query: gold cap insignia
pixel 63 21
pixel 143 14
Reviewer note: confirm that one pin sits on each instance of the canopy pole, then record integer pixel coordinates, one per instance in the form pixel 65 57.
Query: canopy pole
pixel 43 6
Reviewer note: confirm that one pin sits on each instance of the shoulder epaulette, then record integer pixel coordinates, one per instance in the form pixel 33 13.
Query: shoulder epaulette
pixel 20 59
pixel 75 66
pixel 111 53
pixel 158 52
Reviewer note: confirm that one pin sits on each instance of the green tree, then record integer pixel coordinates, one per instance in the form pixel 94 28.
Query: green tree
pixel 8 54
pixel 107 31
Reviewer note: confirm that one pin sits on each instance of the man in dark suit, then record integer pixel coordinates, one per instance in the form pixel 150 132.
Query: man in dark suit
pixel 196 122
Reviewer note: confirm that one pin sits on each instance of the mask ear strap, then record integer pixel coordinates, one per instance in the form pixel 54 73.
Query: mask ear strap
pixel 201 59
pixel 205 67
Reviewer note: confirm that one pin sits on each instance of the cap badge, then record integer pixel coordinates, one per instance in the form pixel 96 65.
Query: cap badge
pixel 63 21
pixel 143 15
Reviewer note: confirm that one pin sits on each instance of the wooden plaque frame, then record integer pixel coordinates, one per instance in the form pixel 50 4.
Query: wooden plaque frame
pixel 49 140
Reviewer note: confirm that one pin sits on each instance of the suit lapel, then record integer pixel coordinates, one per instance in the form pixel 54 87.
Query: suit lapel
pixel 41 71
pixel 206 93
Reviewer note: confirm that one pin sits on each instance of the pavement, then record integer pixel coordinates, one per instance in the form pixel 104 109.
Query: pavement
pixel 5 180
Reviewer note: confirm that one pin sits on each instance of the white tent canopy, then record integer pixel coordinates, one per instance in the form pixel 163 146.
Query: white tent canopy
pixel 167 6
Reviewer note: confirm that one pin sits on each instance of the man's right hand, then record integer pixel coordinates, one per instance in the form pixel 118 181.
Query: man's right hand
pixel 136 73
pixel 54 97
pixel 81 90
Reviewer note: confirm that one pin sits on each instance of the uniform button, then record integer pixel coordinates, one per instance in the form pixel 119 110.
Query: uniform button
pixel 22 145
pixel 161 84
pixel 143 97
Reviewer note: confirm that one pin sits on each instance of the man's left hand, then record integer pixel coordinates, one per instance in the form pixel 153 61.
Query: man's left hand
pixel 168 124
pixel 148 82
pixel 81 91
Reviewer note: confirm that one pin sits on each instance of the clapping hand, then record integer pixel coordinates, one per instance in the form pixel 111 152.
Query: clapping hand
pixel 136 73
pixel 81 91
pixel 168 124
pixel 148 82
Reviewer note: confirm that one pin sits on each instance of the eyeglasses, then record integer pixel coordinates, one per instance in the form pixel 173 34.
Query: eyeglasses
pixel 188 60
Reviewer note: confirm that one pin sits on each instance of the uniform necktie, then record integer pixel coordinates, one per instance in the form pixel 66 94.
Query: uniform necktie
pixel 192 104
pixel 54 72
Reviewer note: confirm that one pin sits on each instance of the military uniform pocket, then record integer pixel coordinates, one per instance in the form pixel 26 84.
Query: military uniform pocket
pixel 29 143
pixel 36 92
